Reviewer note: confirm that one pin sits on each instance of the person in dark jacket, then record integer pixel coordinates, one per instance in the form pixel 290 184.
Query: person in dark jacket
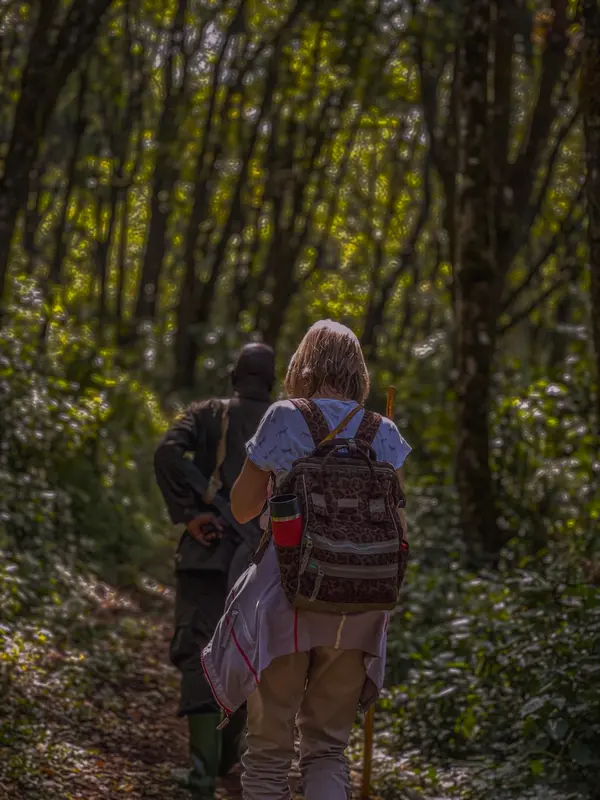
pixel 211 555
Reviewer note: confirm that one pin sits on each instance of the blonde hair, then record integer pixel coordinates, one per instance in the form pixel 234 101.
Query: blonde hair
pixel 328 359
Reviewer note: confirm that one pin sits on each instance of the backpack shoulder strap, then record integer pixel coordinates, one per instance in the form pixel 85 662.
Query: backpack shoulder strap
pixel 340 427
pixel 369 425
pixel 215 482
pixel 313 416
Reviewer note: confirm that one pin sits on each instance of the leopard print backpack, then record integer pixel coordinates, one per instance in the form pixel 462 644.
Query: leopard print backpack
pixel 352 555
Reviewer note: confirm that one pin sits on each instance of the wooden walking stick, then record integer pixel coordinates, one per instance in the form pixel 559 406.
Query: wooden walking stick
pixel 365 792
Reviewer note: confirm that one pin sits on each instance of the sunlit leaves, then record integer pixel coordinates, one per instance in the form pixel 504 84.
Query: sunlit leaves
pixel 161 12
pixel 403 81
pixel 338 299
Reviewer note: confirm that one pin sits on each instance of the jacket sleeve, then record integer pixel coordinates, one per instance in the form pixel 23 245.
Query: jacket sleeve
pixel 173 467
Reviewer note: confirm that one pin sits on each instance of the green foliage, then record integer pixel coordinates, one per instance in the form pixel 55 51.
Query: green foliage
pixel 545 456
pixel 76 451
pixel 495 675
pixel 501 671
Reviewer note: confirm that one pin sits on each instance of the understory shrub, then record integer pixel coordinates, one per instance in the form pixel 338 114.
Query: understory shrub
pixel 76 452
pixel 501 671
pixel 494 676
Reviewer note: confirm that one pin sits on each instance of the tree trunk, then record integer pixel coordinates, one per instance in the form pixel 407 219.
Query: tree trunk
pixel 125 146
pixel 52 58
pixel 282 260
pixel 557 349
pixel 121 267
pixel 375 305
pixel 103 251
pixel 61 240
pixel 165 175
pixel 32 220
pixel 591 109
pixel 186 348
pixel 477 292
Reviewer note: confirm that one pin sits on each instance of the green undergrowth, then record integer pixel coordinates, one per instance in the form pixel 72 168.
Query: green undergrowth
pixel 76 453
pixel 493 676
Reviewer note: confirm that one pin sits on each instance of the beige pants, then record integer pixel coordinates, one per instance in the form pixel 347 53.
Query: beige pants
pixel 319 692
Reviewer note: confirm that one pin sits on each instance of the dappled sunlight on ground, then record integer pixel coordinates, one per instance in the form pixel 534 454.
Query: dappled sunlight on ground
pixel 93 716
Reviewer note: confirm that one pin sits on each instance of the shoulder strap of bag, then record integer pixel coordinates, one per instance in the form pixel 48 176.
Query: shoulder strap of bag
pixel 215 482
pixel 339 428
pixel 313 416
pixel 317 424
pixel 369 425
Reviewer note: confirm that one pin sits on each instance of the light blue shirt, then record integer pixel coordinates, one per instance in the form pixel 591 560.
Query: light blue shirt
pixel 283 436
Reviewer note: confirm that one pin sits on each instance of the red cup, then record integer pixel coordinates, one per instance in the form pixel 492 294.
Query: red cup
pixel 286 520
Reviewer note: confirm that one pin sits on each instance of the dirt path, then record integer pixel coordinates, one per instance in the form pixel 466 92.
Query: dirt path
pixel 94 719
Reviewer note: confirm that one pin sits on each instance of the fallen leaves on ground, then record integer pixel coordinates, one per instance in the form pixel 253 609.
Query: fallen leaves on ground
pixel 90 714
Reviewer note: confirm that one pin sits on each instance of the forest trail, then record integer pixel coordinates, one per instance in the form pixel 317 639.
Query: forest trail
pixel 84 731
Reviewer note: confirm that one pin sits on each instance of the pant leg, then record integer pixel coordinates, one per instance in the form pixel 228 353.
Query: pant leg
pixel 327 714
pixel 272 709
pixel 199 603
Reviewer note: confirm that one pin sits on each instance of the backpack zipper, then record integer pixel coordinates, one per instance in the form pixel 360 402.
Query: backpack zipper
pixel 318 582
pixel 385 465
pixel 353 548
pixel 306 556
pixel 353 570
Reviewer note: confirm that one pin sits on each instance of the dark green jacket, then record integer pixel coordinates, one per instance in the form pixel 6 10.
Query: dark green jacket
pixel 197 433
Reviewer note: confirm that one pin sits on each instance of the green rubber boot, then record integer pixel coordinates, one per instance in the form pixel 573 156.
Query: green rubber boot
pixel 205 755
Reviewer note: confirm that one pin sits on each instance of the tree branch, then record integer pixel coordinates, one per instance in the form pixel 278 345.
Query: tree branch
pixel 553 62
pixel 564 277
pixel 566 227
pixel 443 148
pixel 376 310
pixel 503 34
pixel 518 238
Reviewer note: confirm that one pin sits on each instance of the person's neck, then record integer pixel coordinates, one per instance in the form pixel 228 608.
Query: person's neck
pixel 329 396
pixel 252 390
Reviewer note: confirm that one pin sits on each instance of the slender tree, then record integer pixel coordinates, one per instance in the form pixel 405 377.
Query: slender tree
pixel 52 57
pixel 590 96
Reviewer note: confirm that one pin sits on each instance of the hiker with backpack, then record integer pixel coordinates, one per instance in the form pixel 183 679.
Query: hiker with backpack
pixel 303 637
pixel 212 552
